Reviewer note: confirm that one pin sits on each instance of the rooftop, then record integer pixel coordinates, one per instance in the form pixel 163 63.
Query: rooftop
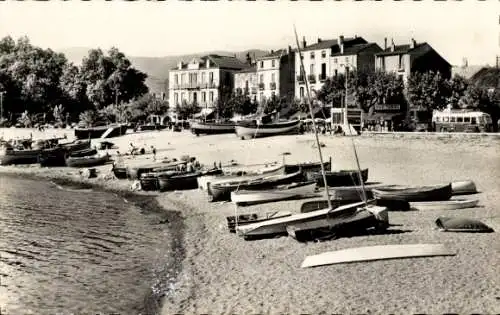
pixel 354 49
pixel 330 43
pixel 274 54
pixel 217 61
pixel 401 49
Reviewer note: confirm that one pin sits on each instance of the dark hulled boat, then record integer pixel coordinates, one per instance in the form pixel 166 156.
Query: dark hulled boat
pixel 178 182
pixel 101 131
pixel 57 156
pixel 339 178
pixel 222 191
pixel 414 194
pixel 86 161
pixel 251 129
pixel 209 128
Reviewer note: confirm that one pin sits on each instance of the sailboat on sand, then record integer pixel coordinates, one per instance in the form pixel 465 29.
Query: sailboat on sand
pixel 364 214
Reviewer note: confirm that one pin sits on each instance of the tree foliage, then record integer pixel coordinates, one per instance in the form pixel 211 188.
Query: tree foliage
pixel 187 110
pixel 428 91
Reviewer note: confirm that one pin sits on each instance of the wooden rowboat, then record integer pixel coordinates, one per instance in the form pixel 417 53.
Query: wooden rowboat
pixel 445 205
pixel 379 252
pixel 210 128
pixel 463 187
pixel 207 179
pixel 283 192
pixel 178 182
pixel 250 129
pixel 253 218
pixel 339 178
pixel 87 161
pixel 222 192
pixel 413 194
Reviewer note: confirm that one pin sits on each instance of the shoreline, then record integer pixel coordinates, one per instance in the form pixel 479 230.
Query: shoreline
pixel 218 272
pixel 153 299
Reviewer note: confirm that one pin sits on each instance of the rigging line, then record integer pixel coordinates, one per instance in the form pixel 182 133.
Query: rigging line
pixel 302 72
pixel 357 163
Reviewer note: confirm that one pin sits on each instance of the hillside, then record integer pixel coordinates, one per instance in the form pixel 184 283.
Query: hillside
pixel 157 68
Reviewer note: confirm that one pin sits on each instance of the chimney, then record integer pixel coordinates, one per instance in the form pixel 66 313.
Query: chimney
pixel 393 47
pixel 304 43
pixel 249 59
pixel 319 40
pixel 385 43
pixel 272 51
pixel 413 43
pixel 208 62
pixel 179 65
pixel 289 50
pixel 340 41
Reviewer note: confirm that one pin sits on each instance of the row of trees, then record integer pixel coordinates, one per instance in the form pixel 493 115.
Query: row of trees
pixel 40 81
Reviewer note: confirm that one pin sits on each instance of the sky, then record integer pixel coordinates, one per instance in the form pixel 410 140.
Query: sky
pixel 466 29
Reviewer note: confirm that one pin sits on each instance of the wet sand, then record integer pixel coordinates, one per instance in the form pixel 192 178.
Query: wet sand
pixel 217 272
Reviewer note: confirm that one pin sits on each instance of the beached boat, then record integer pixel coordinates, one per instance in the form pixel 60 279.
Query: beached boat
pixel 57 156
pixel 209 128
pixel 339 178
pixel 149 182
pixel 244 219
pixel 307 167
pixel 10 156
pixel 251 129
pixel 76 145
pixel 82 153
pixel 463 187
pixel 365 218
pixel 413 194
pixel 278 226
pixel 135 171
pixel 86 161
pixel 283 192
pixel 178 182
pixel 222 191
pixel 204 182
pixel 120 171
pixel 445 205
pixel 101 131
pixel 392 205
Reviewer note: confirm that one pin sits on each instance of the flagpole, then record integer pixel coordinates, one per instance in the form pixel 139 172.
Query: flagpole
pixel 302 72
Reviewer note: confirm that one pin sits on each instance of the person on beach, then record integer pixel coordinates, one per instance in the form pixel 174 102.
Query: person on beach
pixel 153 149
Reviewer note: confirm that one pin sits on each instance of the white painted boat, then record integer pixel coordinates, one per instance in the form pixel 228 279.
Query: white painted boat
pixel 248 130
pixel 452 204
pixel 282 192
pixel 278 226
pixel 463 187
pixel 380 252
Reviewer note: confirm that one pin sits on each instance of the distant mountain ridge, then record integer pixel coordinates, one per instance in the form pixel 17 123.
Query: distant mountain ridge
pixel 157 68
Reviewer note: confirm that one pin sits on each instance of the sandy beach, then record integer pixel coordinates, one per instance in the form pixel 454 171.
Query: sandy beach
pixel 217 272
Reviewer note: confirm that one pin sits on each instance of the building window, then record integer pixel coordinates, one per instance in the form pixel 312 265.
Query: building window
pixel 183 78
pixel 210 77
pixel 203 97
pixel 335 60
pixel 336 72
pixel 176 98
pixel 346 59
pixel 176 79
pixel 401 61
pixel 323 54
pixel 272 63
pixel 211 97
pixel 273 78
pixel 203 77
pixel 261 78
pixel 312 54
pixel 183 96
pixel 312 69
pixel 301 92
pixel 262 64
pixel 273 95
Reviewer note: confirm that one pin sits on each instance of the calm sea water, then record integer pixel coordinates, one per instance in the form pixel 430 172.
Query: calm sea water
pixel 77 251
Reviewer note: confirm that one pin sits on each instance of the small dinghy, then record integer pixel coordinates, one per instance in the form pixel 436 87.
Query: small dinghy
pixel 178 182
pixel 379 252
pixel 445 205
pixel 283 192
pixel 446 224
pixel 463 187
pixel 87 161
pixel 413 194
pixel 339 178
pixel 253 218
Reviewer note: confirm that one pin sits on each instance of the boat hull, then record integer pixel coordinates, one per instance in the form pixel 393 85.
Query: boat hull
pixel 445 205
pixel 339 178
pixel 98 132
pixel 178 182
pixel 414 194
pixel 9 157
pixel 248 130
pixel 463 187
pixel 248 197
pixel 87 161
pixel 199 128
pixel 222 192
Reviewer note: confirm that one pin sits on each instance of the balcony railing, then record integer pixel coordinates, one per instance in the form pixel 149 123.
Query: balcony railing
pixel 261 86
pixel 195 85
pixel 272 85
pixel 301 79
pixel 311 78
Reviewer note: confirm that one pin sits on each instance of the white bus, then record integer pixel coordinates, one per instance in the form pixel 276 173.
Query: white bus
pixel 461 121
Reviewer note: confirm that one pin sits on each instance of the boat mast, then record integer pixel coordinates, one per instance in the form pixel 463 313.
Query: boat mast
pixel 346 125
pixel 309 103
